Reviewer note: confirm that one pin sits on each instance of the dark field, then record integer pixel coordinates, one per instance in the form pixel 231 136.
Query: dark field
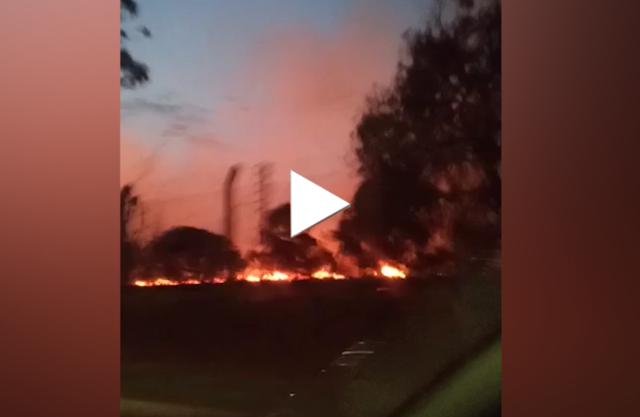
pixel 243 348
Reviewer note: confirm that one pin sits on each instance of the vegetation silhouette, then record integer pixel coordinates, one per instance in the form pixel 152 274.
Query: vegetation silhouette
pixel 302 253
pixel 129 206
pixel 187 252
pixel 429 148
pixel 133 73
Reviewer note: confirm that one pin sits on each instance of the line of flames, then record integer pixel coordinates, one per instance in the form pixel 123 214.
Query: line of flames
pixel 256 275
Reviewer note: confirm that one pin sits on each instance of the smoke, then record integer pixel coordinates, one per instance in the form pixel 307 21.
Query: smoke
pixel 294 102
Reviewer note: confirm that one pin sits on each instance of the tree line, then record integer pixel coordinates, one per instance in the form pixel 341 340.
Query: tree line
pixel 429 147
pixel 192 253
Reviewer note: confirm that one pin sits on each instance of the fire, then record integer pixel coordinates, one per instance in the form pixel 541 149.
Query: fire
pixel 164 282
pixel 392 272
pixel 388 271
pixel 279 276
pixel 256 274
pixel 252 278
pixel 324 274
pixel 158 282
pixel 269 276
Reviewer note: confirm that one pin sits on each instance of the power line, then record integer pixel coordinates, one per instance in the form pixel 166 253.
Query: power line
pixel 181 197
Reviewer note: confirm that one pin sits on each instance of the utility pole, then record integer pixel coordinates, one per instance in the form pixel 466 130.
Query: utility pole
pixel 228 202
pixel 264 174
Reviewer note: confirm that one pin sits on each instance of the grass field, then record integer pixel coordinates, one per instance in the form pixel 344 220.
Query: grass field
pixel 241 349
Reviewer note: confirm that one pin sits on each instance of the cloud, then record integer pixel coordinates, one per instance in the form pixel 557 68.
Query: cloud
pixel 142 105
pixel 174 119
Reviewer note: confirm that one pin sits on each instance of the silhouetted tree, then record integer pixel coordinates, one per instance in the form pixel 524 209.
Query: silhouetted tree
pixel 429 147
pixel 132 72
pixel 128 206
pixel 301 253
pixel 185 252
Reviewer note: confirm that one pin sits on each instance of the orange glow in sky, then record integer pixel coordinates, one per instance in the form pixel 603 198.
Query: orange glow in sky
pixel 293 102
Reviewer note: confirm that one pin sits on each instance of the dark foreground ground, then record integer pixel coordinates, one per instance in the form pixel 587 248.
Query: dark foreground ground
pixel 243 349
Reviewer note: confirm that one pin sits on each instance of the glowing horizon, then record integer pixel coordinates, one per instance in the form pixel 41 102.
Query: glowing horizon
pixel 286 89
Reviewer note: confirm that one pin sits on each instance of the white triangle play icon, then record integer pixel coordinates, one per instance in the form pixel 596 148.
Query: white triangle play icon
pixel 311 204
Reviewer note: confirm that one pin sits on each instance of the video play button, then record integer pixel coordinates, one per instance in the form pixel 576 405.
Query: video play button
pixel 311 204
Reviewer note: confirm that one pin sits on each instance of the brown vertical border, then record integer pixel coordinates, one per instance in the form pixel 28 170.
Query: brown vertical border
pixel 59 180
pixel 570 244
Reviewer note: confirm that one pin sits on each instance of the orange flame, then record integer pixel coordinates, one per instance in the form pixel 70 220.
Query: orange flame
pixel 391 272
pixel 164 282
pixel 158 282
pixel 255 275
pixel 324 274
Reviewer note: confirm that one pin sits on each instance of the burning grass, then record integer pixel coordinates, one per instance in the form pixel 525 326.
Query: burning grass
pixel 257 274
